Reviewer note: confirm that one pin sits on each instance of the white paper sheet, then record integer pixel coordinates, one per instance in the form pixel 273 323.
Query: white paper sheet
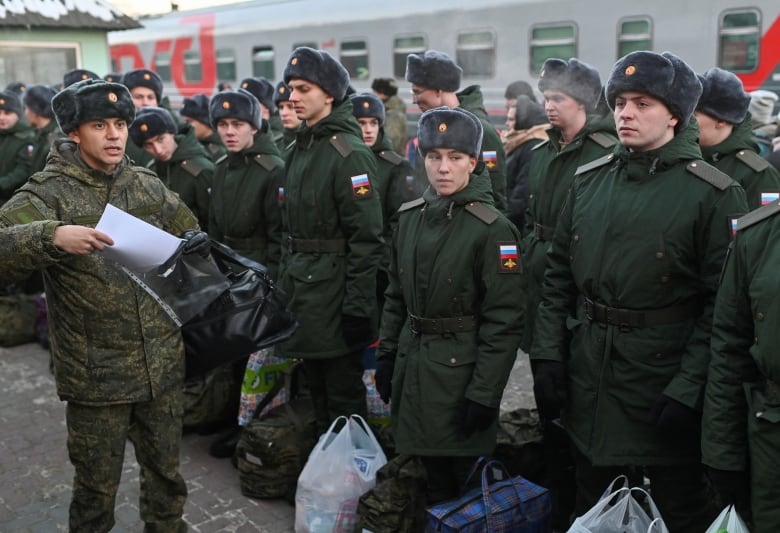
pixel 137 244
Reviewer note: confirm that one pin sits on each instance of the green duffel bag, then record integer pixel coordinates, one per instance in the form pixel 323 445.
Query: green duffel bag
pixel 17 319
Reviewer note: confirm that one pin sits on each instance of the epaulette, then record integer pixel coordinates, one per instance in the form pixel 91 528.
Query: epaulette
pixel 214 148
pixel 144 170
pixel 40 177
pixel 602 139
pixel 753 160
pixel 391 157
pixel 24 135
pixel 596 163
pixel 221 159
pixel 411 204
pixel 765 211
pixel 710 174
pixel 265 161
pixel 546 141
pixel 192 168
pixel 341 145
pixel 482 212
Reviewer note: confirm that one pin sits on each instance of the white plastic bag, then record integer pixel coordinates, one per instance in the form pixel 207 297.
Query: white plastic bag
pixel 341 467
pixel 728 520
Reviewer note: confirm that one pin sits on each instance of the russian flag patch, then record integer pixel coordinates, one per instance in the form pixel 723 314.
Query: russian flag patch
pixel 361 186
pixel 508 257
pixel 769 197
pixel 490 158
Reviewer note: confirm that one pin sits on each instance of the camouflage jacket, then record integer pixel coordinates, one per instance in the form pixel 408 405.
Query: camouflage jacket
pixel 395 123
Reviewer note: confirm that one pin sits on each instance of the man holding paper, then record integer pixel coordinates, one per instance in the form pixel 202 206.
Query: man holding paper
pixel 118 358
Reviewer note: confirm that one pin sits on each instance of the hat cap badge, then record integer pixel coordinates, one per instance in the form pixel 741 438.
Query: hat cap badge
pixel 366 105
pixel 144 128
pixel 147 76
pixel 630 70
pixel 84 77
pixel 282 90
pixel 541 74
pixel 2 101
pixel 225 105
pixel 442 127
pixel 244 85
pixel 113 97
pixel 294 61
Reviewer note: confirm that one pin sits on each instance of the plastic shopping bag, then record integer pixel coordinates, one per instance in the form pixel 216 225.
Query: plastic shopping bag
pixel 729 521
pixel 341 467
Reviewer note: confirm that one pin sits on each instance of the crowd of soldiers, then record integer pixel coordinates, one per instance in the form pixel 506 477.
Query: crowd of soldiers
pixel 620 233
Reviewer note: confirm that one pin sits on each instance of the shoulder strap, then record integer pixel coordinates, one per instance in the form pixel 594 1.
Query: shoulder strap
pixel 596 163
pixel 191 167
pixel 710 174
pixel 220 159
pixel 763 212
pixel 340 144
pixel 411 204
pixel 602 139
pixel 482 212
pixel 538 145
pixel 391 157
pixel 753 160
pixel 265 161
pixel 40 177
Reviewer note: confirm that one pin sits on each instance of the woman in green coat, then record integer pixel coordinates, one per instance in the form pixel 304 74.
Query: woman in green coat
pixel 451 323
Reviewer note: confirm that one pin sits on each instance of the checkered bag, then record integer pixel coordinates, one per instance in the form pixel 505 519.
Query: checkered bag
pixel 503 504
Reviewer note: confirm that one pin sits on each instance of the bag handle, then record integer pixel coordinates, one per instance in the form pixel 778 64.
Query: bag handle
pixel 367 430
pixel 612 488
pixel 486 494
pixel 279 384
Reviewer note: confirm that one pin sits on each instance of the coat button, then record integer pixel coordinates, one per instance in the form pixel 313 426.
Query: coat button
pixel 659 255
pixel 453 360
pixel 759 414
pixel 759 316
pixel 308 277
pixel 576 238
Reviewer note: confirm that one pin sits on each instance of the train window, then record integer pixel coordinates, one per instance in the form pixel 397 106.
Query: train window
pixel 354 57
pixel 476 53
pixel 402 47
pixel 226 64
pixel 162 65
pixel 44 63
pixel 635 34
pixel 739 35
pixel 548 41
pixel 192 68
pixel 263 62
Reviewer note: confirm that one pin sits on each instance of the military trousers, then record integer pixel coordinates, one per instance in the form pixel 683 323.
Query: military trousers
pixel 446 477
pixel 337 388
pixel 96 447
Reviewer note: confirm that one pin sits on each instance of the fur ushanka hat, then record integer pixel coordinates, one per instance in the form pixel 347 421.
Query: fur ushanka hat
pixel 723 97
pixel 433 70
pixel 196 108
pixel 77 74
pixel 38 99
pixel 282 93
pixel 262 89
pixel 573 77
pixel 10 101
pixel 365 105
pixel 151 122
pixel 239 104
pixel 317 66
pixel 142 77
pixel 92 100
pixel 454 128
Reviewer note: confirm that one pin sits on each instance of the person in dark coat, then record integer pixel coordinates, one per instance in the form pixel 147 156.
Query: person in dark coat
pixel 290 121
pixel 195 112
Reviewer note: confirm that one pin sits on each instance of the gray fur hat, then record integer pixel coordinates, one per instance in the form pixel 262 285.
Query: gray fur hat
pixel 762 105
pixel 664 76
pixel 151 122
pixel 115 77
pixel 239 104
pixel 142 77
pixel 723 97
pixel 38 99
pixel 16 87
pixel 10 101
pixel 77 74
pixel 434 70
pixel 387 86
pixel 573 77
pixel 92 100
pixel 282 93
pixel 196 108
pixel 318 66
pixel 365 105
pixel 454 128
pixel 262 89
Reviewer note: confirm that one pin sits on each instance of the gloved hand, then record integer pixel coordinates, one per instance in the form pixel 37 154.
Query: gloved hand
pixel 383 378
pixel 671 416
pixel 474 416
pixel 357 331
pixel 733 486
pixel 550 388
pixel 196 242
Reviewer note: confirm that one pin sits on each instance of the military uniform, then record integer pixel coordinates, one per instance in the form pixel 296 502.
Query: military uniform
pixel 44 138
pixel 395 123
pixel 17 150
pixel 214 147
pixel 740 429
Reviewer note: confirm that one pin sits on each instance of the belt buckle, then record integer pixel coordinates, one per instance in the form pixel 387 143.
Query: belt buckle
pixel 413 325
pixel 290 244
pixel 589 309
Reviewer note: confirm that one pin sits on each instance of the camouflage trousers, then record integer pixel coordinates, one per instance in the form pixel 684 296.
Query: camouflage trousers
pixel 96 446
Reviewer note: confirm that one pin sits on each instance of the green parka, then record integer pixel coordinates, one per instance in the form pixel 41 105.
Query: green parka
pixel 111 342
pixel 330 205
pixel 447 263
pixel 214 147
pixel 645 232
pixel 44 139
pixel 17 149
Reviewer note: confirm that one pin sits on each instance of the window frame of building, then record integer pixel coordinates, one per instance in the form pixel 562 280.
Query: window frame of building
pixel 402 47
pixel 629 40
pixel 264 67
pixel 478 58
pixel 226 64
pixel 44 62
pixel 161 64
pixel 354 55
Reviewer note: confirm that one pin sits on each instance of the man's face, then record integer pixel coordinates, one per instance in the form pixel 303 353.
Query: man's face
pixel 8 119
pixel 370 128
pixel 201 130
pixel 426 98
pixel 287 113
pixel 143 97
pixel 236 134
pixel 511 115
pixel 643 122
pixel 561 109
pixel 161 147
pixel 310 102
pixel 102 142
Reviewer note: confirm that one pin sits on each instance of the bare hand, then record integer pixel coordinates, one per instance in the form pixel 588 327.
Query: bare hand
pixel 80 240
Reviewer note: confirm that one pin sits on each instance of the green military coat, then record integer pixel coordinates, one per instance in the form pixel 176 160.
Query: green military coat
pixel 284 143
pixel 17 149
pixel 447 262
pixel 111 342
pixel 640 231
pixel 214 147
pixel 44 138
pixel 330 204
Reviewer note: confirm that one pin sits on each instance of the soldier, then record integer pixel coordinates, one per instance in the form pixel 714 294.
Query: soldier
pixel 516 89
pixel 113 77
pixel 195 112
pixel 725 137
pixel 77 74
pixel 290 121
pixel 16 87
pixel 333 218
pixel 118 358
pixel 16 146
pixel 40 116
pixel 180 161
pixel 623 329
pixel 264 91
pixel 451 324
pixel 395 112
pixel 146 88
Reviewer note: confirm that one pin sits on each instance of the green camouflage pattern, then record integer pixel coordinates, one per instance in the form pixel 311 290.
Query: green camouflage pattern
pixel 17 319
pixel 207 398
pixel 395 123
pixel 17 148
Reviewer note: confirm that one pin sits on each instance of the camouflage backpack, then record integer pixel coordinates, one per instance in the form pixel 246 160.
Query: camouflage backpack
pixel 17 319
pixel 208 398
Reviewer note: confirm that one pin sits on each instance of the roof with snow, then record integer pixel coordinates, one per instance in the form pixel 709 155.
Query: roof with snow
pixel 63 14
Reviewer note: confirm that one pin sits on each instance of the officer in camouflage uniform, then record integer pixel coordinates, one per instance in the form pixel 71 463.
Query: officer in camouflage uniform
pixel 37 109
pixel 118 358
pixel 180 161
pixel 395 112
pixel 726 137
pixel 195 112
pixel 623 329
pixel 16 146
pixel 290 121
pixel 333 218
pixel 451 324
pixel 265 91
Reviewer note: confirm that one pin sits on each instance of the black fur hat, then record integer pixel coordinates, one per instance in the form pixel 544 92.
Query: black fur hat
pixel 664 76
pixel 151 122
pixel 365 105
pixel 528 113
pixel 454 128
pixel 723 97
pixel 196 108
pixel 77 74
pixel 262 89
pixel 142 77
pixel 573 77
pixel 318 66
pixel 434 70
pixel 92 100
pixel 16 87
pixel 10 101
pixel 282 93
pixel 518 88
pixel 38 99
pixel 386 86
pixel 239 104
pixel 113 77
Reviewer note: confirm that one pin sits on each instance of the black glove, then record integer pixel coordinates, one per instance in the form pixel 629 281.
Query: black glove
pixel 550 388
pixel 357 331
pixel 474 416
pixel 732 486
pixel 196 242
pixel 383 378
pixel 673 417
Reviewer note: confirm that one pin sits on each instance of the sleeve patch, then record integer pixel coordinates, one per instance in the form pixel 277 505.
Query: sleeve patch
pixel 361 186
pixel 508 258
pixel 769 197
pixel 490 158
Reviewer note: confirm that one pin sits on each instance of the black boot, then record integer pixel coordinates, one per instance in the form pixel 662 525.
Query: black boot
pixel 225 446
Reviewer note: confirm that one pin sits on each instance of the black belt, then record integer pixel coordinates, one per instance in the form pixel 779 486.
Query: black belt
pixel 455 324
pixel 543 233
pixel 316 246
pixel 630 318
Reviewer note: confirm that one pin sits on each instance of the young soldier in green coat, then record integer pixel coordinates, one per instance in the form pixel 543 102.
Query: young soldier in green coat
pixel 451 324
pixel 195 112
pixel 290 121
pixel 16 146
pixel 37 109
pixel 623 329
